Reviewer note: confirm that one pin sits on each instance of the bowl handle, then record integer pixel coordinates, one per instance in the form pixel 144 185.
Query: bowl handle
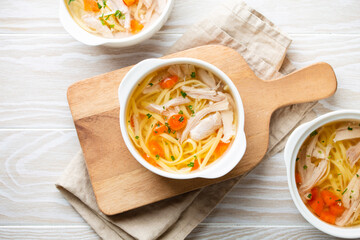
pixel 132 77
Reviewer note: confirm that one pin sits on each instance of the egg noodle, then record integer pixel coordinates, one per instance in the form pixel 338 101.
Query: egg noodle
pixel 178 157
pixel 339 173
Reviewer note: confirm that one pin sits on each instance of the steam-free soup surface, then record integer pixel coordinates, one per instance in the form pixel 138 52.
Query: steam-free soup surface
pixel 115 18
pixel 328 173
pixel 181 118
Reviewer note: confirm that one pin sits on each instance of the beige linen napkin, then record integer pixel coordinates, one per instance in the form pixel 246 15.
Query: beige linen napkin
pixel 263 46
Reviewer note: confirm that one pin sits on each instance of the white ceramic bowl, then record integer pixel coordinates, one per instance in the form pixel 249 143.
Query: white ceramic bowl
pixel 93 40
pixel 221 166
pixel 292 147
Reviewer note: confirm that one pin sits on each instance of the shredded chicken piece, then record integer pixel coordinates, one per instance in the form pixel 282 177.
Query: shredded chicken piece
pixel 176 70
pixel 160 109
pixel 309 173
pixel 206 127
pixel 353 154
pixel 160 6
pixel 348 132
pixel 96 26
pixel 351 201
pixel 148 3
pixel 207 78
pixel 216 107
pixel 203 93
pixel 227 121
pixel 154 88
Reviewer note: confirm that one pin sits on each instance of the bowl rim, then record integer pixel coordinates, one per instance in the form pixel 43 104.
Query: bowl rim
pixel 90 39
pixel 216 169
pixel 292 147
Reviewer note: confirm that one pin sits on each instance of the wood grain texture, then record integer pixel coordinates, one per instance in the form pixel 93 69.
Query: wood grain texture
pixel 306 16
pixel 94 107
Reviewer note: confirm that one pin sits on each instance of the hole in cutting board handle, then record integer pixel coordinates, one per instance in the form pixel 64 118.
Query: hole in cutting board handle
pixel 312 83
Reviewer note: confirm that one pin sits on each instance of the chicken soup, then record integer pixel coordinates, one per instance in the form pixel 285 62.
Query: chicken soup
pixel 328 173
pixel 115 18
pixel 181 118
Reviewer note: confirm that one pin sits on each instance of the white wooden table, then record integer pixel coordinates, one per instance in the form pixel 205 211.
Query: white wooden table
pixel 39 60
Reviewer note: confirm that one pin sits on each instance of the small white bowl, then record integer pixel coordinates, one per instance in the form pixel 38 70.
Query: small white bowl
pixel 221 166
pixel 292 147
pixel 93 40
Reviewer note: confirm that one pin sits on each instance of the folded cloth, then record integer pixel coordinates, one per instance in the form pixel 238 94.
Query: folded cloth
pixel 263 46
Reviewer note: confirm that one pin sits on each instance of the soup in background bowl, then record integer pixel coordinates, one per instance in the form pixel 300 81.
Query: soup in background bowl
pixel 323 168
pixel 180 119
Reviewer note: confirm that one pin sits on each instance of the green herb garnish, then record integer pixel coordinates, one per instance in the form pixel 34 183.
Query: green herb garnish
pixel 149 115
pixel 181 112
pixel 193 74
pixel 70 1
pixel 313 133
pixel 344 191
pixel 137 137
pixel 349 128
pixel 297 159
pixel 157 156
pixel 305 167
pixel 181 119
pixel 151 84
pixel 309 196
pixel 173 158
pixel 191 164
pixel 104 3
pixel 99 6
pixel 183 94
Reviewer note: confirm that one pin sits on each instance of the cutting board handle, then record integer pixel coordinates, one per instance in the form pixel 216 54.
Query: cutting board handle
pixel 311 83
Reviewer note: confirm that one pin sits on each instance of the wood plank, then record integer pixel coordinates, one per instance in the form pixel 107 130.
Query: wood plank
pixel 37 99
pixel 304 16
pixel 31 162
pixel 48 233
pixel 263 232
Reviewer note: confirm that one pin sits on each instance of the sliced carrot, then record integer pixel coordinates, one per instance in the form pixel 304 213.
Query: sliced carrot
pixel 136 26
pixel 328 217
pixel 129 2
pixel 336 209
pixel 196 165
pixel 316 202
pixel 298 178
pixel 221 148
pixel 177 121
pixel 149 159
pixel 159 129
pixel 169 82
pixel 155 148
pixel 132 123
pixel 91 5
pixel 329 197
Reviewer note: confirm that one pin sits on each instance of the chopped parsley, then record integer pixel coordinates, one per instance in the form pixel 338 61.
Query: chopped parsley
pixel 112 25
pixel 307 155
pixel 102 19
pixel 174 132
pixel 350 129
pixel 329 156
pixel 99 6
pixel 173 158
pixel 119 14
pixel 157 156
pixel 70 1
pixel 191 108
pixel 156 131
pixel 339 174
pixel 323 141
pixel 357 175
pixel 191 164
pixel 193 75
pixel 149 115
pixel 137 137
pixel 338 190
pixel 163 107
pixel 129 121
pixel 166 124
pixel 338 200
pixel 314 133
pixel 305 167
pixel 181 112
pixel 297 159
pixel 181 119
pixel 309 196
pixel 344 191
pixel 151 84
pixel 169 130
pixel 107 17
pixel 319 152
pixel 104 3
pixel 158 124
pixel 195 156
pixel 183 94
pixel 193 115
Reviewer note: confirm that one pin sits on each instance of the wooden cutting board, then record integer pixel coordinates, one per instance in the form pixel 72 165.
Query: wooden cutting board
pixel 120 183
